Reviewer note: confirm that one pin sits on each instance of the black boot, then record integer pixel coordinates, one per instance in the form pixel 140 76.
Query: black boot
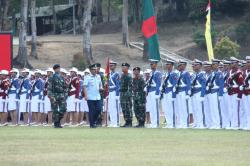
pixel 55 124
pixel 127 124
pixel 140 125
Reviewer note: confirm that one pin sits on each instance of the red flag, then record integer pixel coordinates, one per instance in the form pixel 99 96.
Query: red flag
pixel 208 5
pixel 149 27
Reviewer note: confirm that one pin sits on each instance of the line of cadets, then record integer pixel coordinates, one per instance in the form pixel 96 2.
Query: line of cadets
pixel 215 96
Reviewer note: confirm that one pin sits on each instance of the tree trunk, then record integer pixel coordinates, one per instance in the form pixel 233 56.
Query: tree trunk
pixel 158 5
pixel 137 15
pixel 145 50
pixel 99 11
pixel 5 8
pixel 180 6
pixel 87 25
pixel 33 29
pixel 54 16
pixel 109 10
pixel 125 39
pixel 22 60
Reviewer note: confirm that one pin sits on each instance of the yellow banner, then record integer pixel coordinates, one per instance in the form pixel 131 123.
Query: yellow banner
pixel 208 37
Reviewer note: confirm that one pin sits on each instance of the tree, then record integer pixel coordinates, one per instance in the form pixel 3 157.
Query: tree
pixel 109 6
pixel 54 16
pixel 33 29
pixel 226 48
pixel 125 40
pixel 99 11
pixel 22 60
pixel 4 7
pixel 87 25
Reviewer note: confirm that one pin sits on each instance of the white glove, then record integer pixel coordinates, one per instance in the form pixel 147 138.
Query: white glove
pixel 187 97
pixel 160 88
pixel 27 100
pixel 117 97
pixel 189 92
pixel 202 99
pixel 174 89
pixel 157 96
pixel 225 90
pixel 145 89
pixel 241 88
pixel 207 88
pixel 220 98
pixel 238 99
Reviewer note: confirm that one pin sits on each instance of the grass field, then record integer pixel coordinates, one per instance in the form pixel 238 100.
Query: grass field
pixel 122 147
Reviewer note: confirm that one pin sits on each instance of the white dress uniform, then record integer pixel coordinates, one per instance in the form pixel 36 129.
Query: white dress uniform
pixel 167 101
pixel 224 104
pixel 198 91
pixel 113 99
pixel 182 91
pixel 37 93
pixel 153 91
pixel 13 94
pixel 25 95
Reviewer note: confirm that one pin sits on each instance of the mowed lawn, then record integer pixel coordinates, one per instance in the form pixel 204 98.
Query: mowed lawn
pixel 126 147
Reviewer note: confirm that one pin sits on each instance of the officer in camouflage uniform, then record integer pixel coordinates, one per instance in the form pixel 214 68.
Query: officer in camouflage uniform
pixel 57 91
pixel 139 97
pixel 126 95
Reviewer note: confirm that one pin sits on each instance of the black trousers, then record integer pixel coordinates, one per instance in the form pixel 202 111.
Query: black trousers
pixel 94 111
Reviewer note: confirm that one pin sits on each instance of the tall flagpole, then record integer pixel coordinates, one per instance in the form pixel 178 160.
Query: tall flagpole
pixel 107 72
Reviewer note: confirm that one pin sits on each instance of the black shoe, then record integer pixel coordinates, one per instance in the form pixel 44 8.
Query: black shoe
pixel 93 126
pixel 55 125
pixel 59 125
pixel 127 124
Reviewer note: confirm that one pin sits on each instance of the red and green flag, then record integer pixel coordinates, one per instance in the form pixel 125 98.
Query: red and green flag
pixel 149 30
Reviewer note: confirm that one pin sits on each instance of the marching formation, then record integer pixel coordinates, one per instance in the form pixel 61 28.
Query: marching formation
pixel 215 95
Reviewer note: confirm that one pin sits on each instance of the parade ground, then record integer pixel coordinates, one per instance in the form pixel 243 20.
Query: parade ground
pixel 119 147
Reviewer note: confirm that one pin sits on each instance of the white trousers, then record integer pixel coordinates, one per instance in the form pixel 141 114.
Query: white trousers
pixel 24 106
pixel 224 105
pixel 246 107
pixel 35 104
pixel 182 110
pixel 47 105
pixel 113 108
pixel 12 102
pixel 214 110
pixel 207 112
pixel 245 112
pixel 168 109
pixel 234 111
pixel 72 105
pixel 153 105
pixel 197 107
pixel 3 105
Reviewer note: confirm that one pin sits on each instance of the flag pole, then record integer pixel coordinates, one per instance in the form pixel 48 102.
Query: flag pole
pixel 107 72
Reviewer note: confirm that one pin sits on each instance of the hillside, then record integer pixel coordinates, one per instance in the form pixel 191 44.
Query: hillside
pixel 106 39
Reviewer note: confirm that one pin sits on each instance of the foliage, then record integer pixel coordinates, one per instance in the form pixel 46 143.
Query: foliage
pixel 79 61
pixel 226 48
pixel 239 33
pixel 199 36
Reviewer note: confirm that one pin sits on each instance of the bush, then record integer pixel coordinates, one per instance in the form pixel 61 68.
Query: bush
pixel 199 36
pixel 225 48
pixel 79 61
pixel 239 33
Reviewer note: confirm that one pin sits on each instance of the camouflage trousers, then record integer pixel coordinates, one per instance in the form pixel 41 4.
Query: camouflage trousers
pixel 58 106
pixel 139 109
pixel 126 104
